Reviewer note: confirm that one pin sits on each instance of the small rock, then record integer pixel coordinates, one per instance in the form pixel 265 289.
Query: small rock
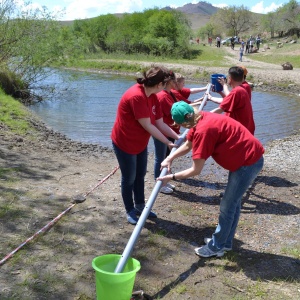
pixel 287 66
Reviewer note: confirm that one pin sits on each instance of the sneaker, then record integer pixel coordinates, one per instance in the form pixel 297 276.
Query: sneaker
pixel 207 240
pixel 204 251
pixel 132 217
pixel 139 209
pixel 166 190
pixel 171 186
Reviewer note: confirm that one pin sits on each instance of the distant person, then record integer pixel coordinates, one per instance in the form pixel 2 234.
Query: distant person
pixel 258 41
pixel 139 117
pixel 251 44
pixel 210 41
pixel 232 40
pixel 198 40
pixel 218 40
pixel 247 49
pixel 234 148
pixel 236 104
pixel 241 53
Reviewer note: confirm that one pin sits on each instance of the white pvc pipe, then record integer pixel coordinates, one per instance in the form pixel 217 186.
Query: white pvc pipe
pixel 143 217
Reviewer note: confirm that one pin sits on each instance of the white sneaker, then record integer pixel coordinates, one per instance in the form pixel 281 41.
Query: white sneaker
pixel 204 251
pixel 171 186
pixel 166 190
pixel 207 240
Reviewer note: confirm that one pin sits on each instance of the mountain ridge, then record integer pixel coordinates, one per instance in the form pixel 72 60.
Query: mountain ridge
pixel 202 7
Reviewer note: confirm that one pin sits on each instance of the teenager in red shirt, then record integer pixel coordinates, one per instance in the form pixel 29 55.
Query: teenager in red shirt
pixel 248 86
pixel 234 148
pixel 236 104
pixel 138 117
pixel 183 93
pixel 166 99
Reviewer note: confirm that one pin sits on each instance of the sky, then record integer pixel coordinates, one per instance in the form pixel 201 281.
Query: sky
pixel 82 9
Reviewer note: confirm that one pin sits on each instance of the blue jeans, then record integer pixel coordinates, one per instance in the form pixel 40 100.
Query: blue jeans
pixel 230 207
pixel 133 169
pixel 160 155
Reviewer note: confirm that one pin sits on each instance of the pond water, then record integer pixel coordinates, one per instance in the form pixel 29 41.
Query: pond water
pixel 85 107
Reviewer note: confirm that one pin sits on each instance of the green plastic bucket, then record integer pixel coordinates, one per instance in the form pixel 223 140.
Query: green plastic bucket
pixel 114 286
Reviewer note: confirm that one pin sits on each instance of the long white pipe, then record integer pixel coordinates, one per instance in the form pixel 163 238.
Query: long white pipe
pixel 143 217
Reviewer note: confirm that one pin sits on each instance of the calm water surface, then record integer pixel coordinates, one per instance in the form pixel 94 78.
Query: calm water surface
pixel 85 108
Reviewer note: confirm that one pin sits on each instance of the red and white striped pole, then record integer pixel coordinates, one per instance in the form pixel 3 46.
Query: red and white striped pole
pixel 45 228
pixel 51 223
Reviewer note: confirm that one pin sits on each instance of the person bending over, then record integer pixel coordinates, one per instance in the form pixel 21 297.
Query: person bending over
pixel 234 148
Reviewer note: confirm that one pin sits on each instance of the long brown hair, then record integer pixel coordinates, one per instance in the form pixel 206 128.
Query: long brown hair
pixel 154 76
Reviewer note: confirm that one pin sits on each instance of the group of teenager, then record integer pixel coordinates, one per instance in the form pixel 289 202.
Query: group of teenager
pixel 158 105
pixel 249 46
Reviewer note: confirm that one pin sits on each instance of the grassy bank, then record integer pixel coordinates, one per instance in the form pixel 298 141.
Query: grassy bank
pixel 288 53
pixel 203 55
pixel 13 114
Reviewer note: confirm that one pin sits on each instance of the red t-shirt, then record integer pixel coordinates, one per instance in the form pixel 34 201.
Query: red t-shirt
pixel 166 101
pixel 229 143
pixel 127 133
pixel 182 94
pixel 247 87
pixel 237 105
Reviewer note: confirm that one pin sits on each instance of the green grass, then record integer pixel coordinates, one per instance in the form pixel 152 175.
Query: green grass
pixel 9 211
pixel 288 53
pixel 13 114
pixel 257 289
pixel 292 251
pixel 210 56
pixel 203 56
pixel 99 64
pixel 4 172
pixel 181 289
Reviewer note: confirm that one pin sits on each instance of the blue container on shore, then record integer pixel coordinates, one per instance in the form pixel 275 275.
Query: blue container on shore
pixel 217 87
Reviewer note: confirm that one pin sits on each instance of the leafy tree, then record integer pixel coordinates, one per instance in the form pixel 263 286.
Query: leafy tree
pixel 284 21
pixel 30 41
pixel 157 32
pixel 234 20
pixel 128 36
pixel 96 30
pixel 271 22
pixel 168 33
pixel 206 31
pixel 290 17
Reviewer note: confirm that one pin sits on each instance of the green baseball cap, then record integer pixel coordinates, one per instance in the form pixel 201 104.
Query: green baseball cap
pixel 179 110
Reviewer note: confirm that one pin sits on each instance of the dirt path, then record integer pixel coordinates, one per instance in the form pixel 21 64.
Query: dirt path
pixel 263 72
